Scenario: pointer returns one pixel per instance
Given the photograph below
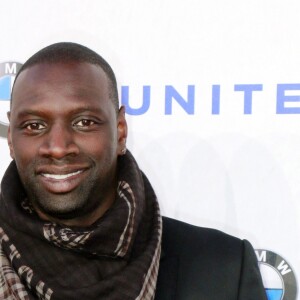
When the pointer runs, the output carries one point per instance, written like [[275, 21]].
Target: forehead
[[60, 80]]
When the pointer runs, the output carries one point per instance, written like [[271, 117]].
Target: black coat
[[206, 264]]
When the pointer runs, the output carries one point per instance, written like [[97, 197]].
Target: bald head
[[67, 52]]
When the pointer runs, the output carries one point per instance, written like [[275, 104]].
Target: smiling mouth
[[61, 176], [62, 183]]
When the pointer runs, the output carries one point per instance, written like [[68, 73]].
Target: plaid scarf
[[115, 258]]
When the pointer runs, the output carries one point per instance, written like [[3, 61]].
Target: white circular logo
[[278, 276]]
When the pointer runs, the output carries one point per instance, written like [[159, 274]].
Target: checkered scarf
[[115, 258]]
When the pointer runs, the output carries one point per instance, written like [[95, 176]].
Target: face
[[65, 137]]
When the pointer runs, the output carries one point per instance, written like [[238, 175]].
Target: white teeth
[[61, 176]]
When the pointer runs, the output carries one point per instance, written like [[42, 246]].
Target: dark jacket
[[206, 264]]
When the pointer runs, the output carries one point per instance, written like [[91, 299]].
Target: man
[[79, 219]]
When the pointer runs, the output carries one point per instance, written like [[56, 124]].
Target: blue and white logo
[[8, 71], [278, 276]]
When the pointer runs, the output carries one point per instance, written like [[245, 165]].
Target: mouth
[[62, 182], [61, 176]]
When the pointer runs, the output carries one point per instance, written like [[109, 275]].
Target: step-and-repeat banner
[[212, 92]]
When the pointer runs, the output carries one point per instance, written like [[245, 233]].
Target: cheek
[[24, 153], [99, 145]]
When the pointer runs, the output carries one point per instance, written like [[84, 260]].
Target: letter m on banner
[[10, 68]]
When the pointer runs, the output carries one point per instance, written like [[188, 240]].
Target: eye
[[35, 126], [83, 123]]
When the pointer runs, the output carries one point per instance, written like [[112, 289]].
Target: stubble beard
[[65, 206], [79, 202]]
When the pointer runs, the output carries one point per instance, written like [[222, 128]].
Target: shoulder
[[205, 263], [180, 238], [199, 248]]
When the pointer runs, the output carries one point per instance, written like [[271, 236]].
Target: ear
[[11, 150], [122, 131]]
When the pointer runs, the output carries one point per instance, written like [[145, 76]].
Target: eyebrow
[[32, 112], [37, 112]]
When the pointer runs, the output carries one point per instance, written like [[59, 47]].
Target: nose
[[58, 142]]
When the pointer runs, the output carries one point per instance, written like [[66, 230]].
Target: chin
[[64, 207]]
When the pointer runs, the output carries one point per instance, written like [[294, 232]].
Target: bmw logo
[[8, 71], [278, 276]]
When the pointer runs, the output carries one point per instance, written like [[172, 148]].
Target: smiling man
[[65, 136], [79, 219]]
